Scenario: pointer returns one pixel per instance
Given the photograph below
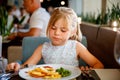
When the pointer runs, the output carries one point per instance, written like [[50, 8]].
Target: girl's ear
[[74, 32]]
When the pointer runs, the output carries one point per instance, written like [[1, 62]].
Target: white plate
[[75, 71]]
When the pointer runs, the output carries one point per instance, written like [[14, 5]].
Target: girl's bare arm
[[84, 54], [35, 58]]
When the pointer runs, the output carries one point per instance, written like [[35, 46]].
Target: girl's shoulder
[[76, 43], [72, 42], [79, 45], [46, 43]]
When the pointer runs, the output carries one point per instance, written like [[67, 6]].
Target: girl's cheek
[[51, 33]]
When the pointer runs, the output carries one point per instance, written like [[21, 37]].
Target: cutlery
[[10, 73], [86, 75]]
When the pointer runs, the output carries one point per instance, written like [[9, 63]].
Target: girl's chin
[[57, 44]]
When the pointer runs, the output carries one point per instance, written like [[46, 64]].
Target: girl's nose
[[57, 32]]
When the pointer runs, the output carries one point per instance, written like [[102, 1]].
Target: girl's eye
[[63, 30], [53, 27]]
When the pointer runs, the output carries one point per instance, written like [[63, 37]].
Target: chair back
[[29, 44]]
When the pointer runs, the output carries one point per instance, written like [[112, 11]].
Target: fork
[[87, 75]]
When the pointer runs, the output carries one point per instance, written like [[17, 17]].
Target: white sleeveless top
[[65, 54]]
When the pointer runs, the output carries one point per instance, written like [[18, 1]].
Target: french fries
[[44, 72]]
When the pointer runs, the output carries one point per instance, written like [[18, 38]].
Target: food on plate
[[48, 72], [44, 72], [63, 72]]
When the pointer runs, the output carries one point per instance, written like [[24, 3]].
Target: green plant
[[102, 19], [89, 17], [111, 15], [4, 31], [3, 20], [115, 13]]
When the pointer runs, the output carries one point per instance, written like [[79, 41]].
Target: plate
[[75, 71]]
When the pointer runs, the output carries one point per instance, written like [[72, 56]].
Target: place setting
[[50, 72]]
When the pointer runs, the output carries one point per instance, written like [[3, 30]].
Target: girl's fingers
[[17, 67], [10, 66], [82, 68], [85, 68], [13, 66]]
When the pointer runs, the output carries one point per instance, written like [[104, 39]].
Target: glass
[[2, 65], [3, 61], [0, 45], [117, 47]]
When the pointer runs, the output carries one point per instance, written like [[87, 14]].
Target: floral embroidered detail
[[65, 54]]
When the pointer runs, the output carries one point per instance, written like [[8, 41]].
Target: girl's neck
[[59, 44]]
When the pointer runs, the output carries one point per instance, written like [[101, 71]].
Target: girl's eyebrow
[[54, 25], [63, 27]]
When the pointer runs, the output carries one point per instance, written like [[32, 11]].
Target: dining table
[[97, 74]]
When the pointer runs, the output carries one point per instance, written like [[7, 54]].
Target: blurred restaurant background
[[80, 6], [94, 11], [99, 22]]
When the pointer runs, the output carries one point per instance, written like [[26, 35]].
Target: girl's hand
[[13, 66], [83, 68]]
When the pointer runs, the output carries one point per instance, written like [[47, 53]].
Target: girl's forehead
[[61, 22]]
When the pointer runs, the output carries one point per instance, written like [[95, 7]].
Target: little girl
[[64, 47]]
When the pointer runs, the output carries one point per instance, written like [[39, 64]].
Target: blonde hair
[[70, 19]]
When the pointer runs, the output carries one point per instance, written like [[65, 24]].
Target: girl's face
[[58, 33]]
